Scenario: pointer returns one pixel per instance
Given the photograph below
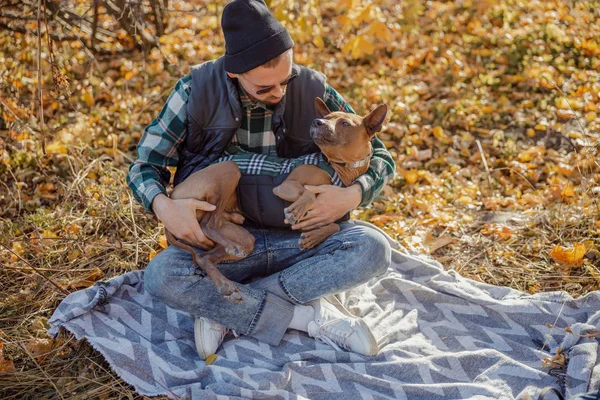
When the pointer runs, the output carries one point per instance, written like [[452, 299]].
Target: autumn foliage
[[494, 127]]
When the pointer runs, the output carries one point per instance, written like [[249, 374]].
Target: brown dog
[[344, 138]]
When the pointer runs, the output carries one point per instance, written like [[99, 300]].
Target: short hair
[[272, 63]]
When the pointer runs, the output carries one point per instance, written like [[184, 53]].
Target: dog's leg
[[208, 262], [296, 211], [292, 190], [211, 223], [310, 239]]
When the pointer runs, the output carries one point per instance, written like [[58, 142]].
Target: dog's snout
[[318, 122]]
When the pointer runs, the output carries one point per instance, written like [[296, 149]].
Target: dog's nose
[[318, 122]]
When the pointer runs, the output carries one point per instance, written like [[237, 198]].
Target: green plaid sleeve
[[382, 166], [158, 148]]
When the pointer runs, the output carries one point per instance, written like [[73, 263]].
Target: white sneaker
[[208, 336], [335, 326]]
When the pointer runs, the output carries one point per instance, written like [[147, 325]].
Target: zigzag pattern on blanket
[[446, 338]]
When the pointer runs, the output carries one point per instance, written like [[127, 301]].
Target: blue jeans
[[275, 277]]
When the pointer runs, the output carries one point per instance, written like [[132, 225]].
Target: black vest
[[214, 114]]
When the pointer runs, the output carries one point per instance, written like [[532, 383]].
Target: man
[[254, 99]]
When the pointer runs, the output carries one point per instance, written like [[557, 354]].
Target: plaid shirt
[[254, 134], [264, 164], [162, 139]]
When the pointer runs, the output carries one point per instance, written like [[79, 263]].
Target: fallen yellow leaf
[[17, 247], [439, 134], [568, 191], [411, 175], [565, 114], [162, 241], [571, 257], [56, 148], [88, 98], [211, 359]]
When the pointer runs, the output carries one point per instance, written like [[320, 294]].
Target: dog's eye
[[345, 123]]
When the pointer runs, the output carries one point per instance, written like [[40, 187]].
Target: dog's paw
[[235, 297], [290, 218], [230, 292], [310, 239], [240, 252]]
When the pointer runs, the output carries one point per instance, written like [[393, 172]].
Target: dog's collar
[[355, 164]]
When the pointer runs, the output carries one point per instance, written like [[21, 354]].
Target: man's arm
[[158, 148], [148, 175]]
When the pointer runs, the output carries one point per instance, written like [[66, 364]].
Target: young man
[[254, 99]]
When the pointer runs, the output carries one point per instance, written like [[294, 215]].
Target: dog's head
[[345, 138]]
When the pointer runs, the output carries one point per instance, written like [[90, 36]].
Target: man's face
[[267, 84]]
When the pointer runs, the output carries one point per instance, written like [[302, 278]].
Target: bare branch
[[94, 23], [39, 67]]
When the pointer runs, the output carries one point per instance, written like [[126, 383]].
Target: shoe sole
[[198, 329], [374, 349]]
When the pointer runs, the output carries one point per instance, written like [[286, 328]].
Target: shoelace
[[332, 336]]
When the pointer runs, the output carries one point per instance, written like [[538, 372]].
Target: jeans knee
[[161, 271], [379, 251], [376, 250], [371, 249], [154, 276]]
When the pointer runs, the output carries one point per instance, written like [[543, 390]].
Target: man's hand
[[179, 218], [332, 203]]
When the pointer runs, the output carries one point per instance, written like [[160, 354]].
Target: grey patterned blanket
[[443, 337]]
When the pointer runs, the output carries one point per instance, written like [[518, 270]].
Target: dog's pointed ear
[[375, 119], [321, 108]]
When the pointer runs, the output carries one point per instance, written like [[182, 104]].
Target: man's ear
[[321, 108], [375, 119], [232, 76]]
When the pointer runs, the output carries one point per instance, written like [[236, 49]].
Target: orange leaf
[[39, 348], [499, 230], [432, 243], [556, 361], [571, 257], [5, 365], [86, 280], [381, 220]]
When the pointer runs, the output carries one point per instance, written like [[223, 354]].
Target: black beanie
[[252, 35]]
